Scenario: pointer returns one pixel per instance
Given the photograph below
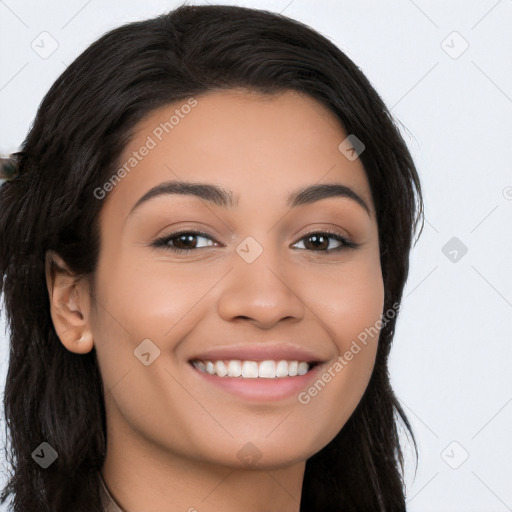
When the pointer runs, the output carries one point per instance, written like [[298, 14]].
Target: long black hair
[[83, 123]]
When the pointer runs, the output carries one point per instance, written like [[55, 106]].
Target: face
[[195, 282]]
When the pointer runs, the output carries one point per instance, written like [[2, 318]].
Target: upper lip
[[255, 352]]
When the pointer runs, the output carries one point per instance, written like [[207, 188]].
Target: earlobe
[[69, 305]]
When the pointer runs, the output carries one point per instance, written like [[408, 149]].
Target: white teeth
[[282, 369], [252, 369], [200, 366], [267, 370], [220, 369], [302, 368], [235, 368], [210, 368]]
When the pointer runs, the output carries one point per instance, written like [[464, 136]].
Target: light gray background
[[450, 364]]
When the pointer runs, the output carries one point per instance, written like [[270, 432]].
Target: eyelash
[[163, 241]]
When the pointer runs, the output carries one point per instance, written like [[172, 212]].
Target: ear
[[70, 304]]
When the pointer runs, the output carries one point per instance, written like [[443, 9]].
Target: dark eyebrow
[[224, 198], [314, 193], [212, 193]]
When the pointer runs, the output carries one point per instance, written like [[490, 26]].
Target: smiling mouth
[[268, 369]]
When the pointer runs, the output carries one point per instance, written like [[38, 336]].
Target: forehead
[[259, 146]]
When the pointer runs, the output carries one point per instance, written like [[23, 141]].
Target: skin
[[172, 439]]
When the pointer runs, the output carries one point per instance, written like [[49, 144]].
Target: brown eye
[[317, 242], [184, 241], [320, 242], [187, 241]]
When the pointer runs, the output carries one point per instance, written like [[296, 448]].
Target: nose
[[260, 292]]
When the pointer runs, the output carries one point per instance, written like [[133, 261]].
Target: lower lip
[[262, 390]]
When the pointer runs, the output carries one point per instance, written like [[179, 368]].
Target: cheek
[[136, 303], [142, 300], [350, 306], [145, 297], [348, 299], [358, 305]]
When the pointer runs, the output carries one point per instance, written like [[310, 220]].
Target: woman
[[203, 254]]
